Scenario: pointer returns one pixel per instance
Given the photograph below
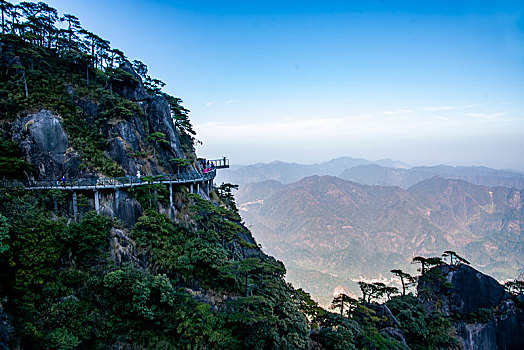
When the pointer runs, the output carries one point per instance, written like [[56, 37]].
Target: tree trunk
[[25, 84]]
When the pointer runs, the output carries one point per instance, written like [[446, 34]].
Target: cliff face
[[46, 144], [486, 317]]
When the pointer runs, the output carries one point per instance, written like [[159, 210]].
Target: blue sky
[[424, 82]]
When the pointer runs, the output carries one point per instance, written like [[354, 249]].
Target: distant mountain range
[[291, 172], [384, 172], [330, 231], [373, 174]]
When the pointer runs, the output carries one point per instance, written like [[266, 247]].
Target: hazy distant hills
[[328, 230], [373, 174], [291, 172], [384, 172]]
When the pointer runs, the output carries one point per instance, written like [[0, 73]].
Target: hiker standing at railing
[[138, 175]]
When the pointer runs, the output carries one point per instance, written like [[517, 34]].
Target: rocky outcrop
[[132, 89], [477, 336], [472, 290], [121, 247], [485, 316], [120, 205], [45, 144]]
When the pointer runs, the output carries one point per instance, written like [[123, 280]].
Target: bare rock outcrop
[[45, 144]]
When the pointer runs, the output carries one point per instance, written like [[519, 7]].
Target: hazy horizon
[[423, 82], [408, 165]]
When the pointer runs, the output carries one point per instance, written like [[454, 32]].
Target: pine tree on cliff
[[454, 256], [342, 300], [427, 263], [405, 279]]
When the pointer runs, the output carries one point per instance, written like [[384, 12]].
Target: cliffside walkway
[[197, 181], [95, 183], [112, 183]]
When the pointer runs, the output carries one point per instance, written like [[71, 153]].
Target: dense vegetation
[[63, 290], [199, 281]]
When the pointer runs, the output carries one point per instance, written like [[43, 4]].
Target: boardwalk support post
[[171, 200], [117, 199], [97, 203], [75, 207]]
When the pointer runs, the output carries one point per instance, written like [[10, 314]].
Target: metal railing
[[118, 182], [219, 163]]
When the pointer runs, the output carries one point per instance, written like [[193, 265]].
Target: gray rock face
[[121, 246], [119, 153], [505, 331], [44, 142], [159, 116], [510, 326], [477, 336], [473, 290], [120, 205]]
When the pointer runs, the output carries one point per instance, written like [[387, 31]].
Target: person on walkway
[[63, 180], [138, 175]]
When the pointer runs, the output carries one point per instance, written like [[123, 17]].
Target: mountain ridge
[[325, 221], [360, 170]]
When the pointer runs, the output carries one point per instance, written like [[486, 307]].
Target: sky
[[424, 82]]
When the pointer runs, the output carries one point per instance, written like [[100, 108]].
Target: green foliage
[[86, 239], [422, 330], [308, 306], [4, 234], [115, 108], [454, 258], [162, 239], [225, 193], [343, 301], [11, 162], [482, 315], [156, 138], [406, 279], [334, 331], [412, 317]]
